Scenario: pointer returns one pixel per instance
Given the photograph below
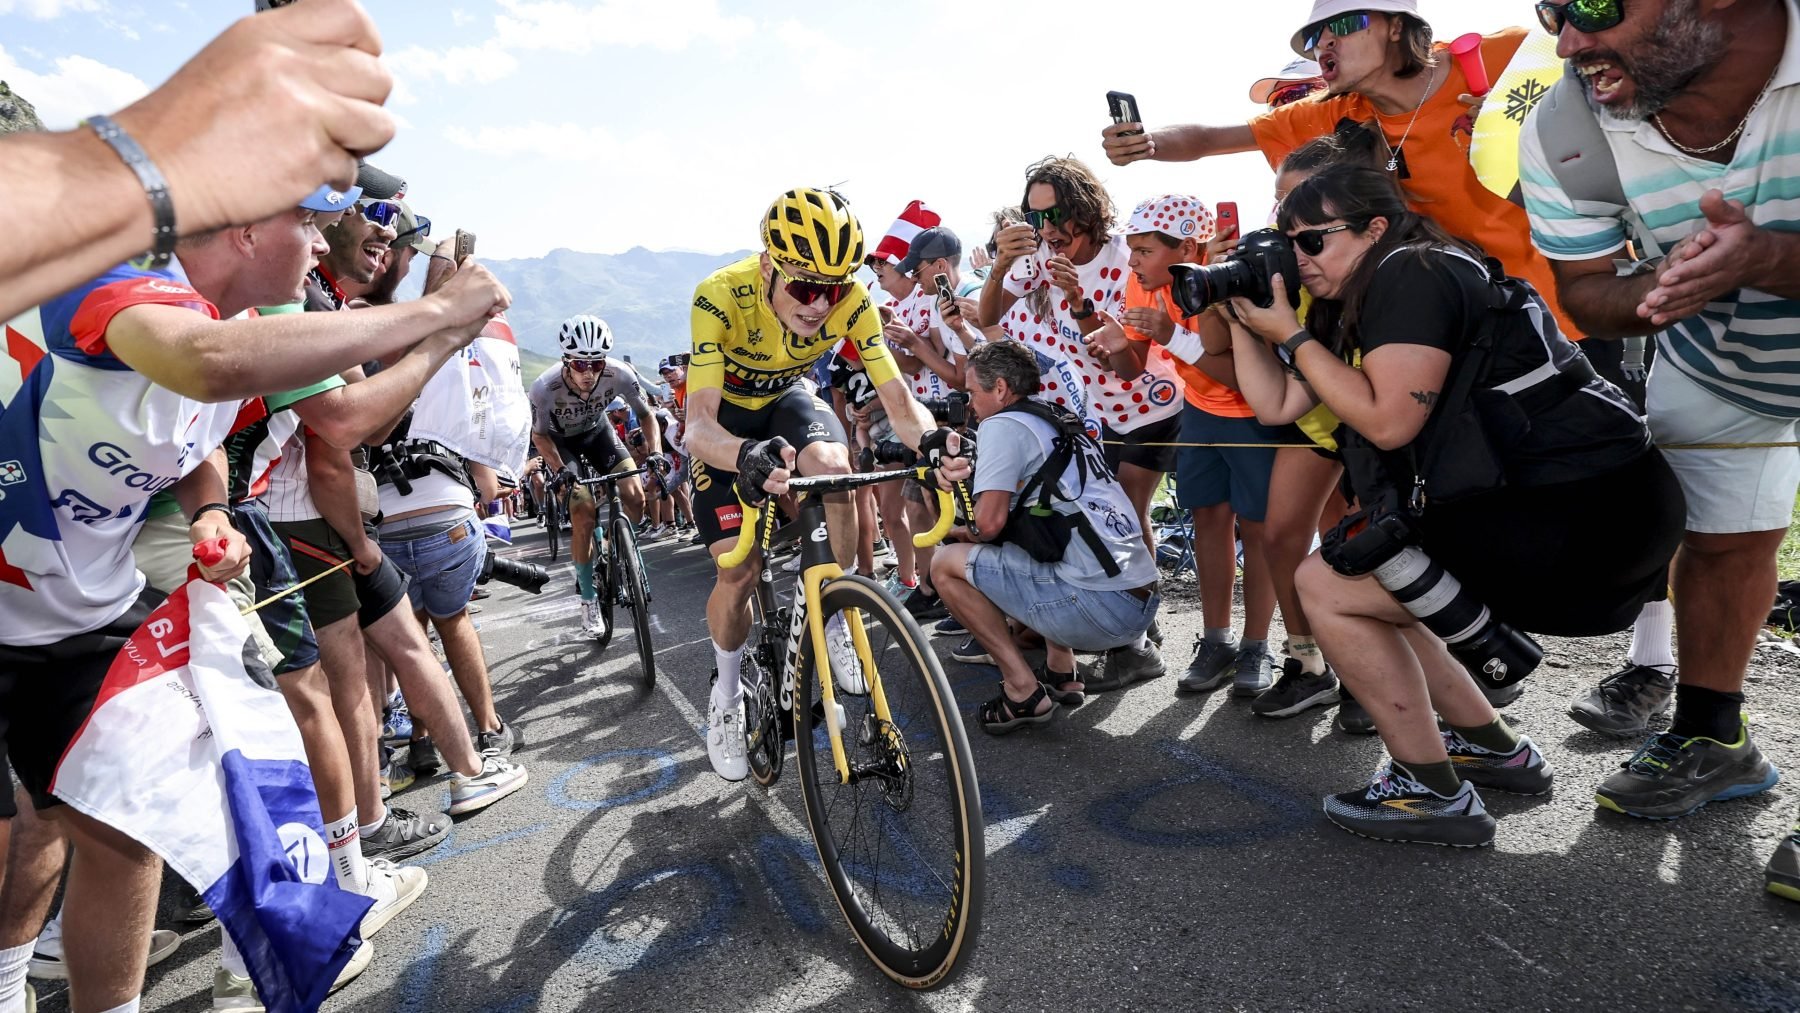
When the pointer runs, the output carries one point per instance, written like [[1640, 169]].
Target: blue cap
[[327, 200]]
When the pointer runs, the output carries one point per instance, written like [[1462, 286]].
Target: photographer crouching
[[1502, 488], [1068, 558]]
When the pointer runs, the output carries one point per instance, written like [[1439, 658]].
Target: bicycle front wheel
[[902, 842], [552, 524], [629, 574]]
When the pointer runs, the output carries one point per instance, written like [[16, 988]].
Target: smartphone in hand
[[946, 296], [1226, 214], [465, 245], [1124, 109]]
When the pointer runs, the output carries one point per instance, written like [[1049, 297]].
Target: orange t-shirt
[[1203, 392], [1439, 179]]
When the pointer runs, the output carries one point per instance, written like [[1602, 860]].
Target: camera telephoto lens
[[525, 576]]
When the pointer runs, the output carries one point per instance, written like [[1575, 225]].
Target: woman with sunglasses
[[1571, 541]]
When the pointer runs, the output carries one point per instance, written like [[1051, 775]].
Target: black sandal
[[1001, 716], [1070, 698]]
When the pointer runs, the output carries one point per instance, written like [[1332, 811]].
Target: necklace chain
[[1739, 129], [1393, 162]]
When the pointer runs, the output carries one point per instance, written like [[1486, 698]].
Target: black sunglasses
[[1348, 23], [1312, 241], [1586, 15], [1056, 214]]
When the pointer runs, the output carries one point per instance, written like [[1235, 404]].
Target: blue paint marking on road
[[615, 947], [1117, 813], [558, 792], [1078, 878], [774, 853], [451, 848], [418, 986], [1759, 991]]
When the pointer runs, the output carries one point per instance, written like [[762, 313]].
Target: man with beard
[[1699, 103]]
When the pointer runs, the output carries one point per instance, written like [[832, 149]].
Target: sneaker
[[924, 605], [970, 652], [1396, 808], [1119, 668], [884, 554], [395, 777], [47, 953], [1154, 633], [404, 834], [1499, 697], [896, 587], [725, 738], [590, 617], [498, 778], [1524, 771], [845, 665], [396, 723], [1252, 672], [1295, 690], [393, 888], [950, 625], [422, 756], [1781, 876], [1671, 776], [1625, 701], [499, 743], [233, 992], [191, 908], [1211, 665], [1352, 717]]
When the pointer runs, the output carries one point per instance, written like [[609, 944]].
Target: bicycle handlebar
[[752, 533]]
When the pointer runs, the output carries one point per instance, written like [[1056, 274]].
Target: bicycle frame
[[817, 568]]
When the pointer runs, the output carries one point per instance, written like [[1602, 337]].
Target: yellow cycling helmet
[[815, 231]]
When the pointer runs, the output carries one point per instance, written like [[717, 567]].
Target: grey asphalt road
[[1146, 852]]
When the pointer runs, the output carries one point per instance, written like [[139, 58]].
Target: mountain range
[[645, 296]]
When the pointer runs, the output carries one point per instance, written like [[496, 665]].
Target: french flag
[[190, 749]]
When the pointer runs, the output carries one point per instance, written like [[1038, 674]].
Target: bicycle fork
[[818, 568]]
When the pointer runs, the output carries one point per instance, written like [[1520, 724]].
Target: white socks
[[128, 1007], [345, 845], [13, 963], [1306, 651], [730, 663], [1653, 636]]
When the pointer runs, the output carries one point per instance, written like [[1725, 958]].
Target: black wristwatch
[[1295, 340], [220, 507], [1086, 310]]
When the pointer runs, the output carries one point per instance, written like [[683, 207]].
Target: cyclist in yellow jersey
[[759, 327]]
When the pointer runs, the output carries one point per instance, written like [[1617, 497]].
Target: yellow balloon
[[1494, 150]]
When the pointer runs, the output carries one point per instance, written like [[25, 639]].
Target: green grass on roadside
[[1787, 559]]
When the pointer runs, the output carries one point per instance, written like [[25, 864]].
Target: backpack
[[1586, 171], [1034, 524]]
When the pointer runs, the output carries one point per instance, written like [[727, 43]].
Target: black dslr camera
[[1384, 541], [525, 576], [1259, 256], [952, 411]]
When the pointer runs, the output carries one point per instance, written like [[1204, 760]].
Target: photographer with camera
[[1503, 487], [1055, 546]]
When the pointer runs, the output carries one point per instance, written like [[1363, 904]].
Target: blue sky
[[601, 126]]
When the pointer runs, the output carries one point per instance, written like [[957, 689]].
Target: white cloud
[[44, 10], [460, 18], [669, 25], [557, 142], [416, 68], [78, 87]]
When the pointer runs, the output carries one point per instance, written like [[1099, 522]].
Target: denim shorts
[[443, 567], [1075, 617]]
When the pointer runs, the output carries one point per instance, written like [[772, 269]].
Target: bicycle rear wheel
[[633, 582], [902, 843], [552, 524]]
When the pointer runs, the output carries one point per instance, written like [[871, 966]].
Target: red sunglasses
[[809, 292], [585, 365]]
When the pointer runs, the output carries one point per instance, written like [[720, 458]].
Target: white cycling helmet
[[585, 337]]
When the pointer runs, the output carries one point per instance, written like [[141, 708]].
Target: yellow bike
[[890, 789]]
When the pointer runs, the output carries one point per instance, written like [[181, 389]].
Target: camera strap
[[1066, 450]]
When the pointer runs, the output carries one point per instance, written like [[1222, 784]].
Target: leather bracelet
[[162, 208], [223, 508], [1295, 340]]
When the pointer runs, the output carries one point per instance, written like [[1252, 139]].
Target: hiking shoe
[[846, 667], [970, 652], [1524, 771], [1252, 673], [392, 888], [725, 738], [498, 778], [422, 756], [1670, 776], [1625, 701], [1499, 697], [1295, 690], [404, 834], [1394, 807], [47, 953], [924, 605], [1119, 668], [1211, 666], [1352, 717], [499, 743], [1781, 876], [396, 722], [950, 625]]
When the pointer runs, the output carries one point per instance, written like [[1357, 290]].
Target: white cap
[[1325, 10], [1175, 215], [1299, 70]]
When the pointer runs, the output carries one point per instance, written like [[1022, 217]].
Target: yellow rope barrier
[[270, 600]]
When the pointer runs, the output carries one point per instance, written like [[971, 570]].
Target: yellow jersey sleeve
[[863, 328], [711, 325]]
